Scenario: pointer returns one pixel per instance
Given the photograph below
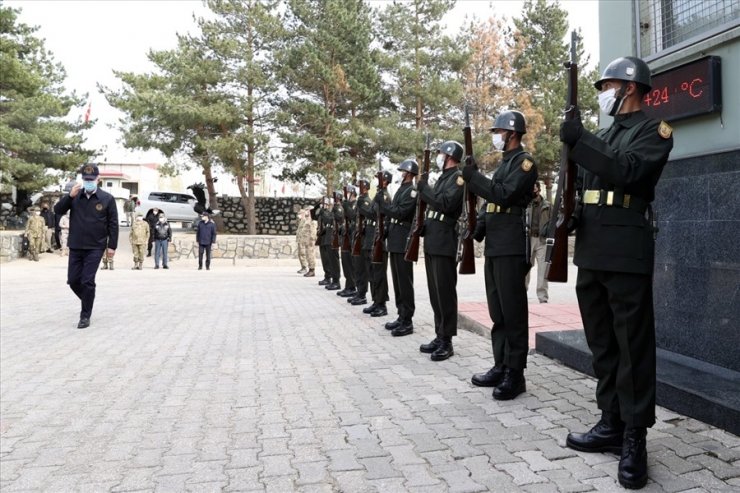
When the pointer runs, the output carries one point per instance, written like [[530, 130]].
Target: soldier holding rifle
[[349, 213], [620, 167], [507, 195], [359, 255], [324, 241], [378, 266], [401, 214], [444, 205]]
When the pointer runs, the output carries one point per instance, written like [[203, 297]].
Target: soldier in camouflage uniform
[[139, 237], [305, 238], [35, 230], [107, 261]]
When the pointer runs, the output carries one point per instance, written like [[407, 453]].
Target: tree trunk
[[212, 199]]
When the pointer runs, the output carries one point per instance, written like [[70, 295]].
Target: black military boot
[[393, 325], [333, 286], [380, 311], [491, 378], [370, 308], [324, 282], [431, 346], [404, 329], [605, 436], [359, 300], [349, 293], [444, 350], [511, 386], [633, 463]]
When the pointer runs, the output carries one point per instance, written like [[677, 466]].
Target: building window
[[668, 25]]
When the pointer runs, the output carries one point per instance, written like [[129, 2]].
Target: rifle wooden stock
[[467, 258], [377, 254], [346, 246], [360, 231], [412, 244], [556, 256]]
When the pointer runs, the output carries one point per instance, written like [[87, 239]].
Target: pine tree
[[37, 140]]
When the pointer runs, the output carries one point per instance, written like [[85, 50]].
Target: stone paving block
[[459, 481], [606, 484], [136, 479], [537, 462], [209, 487], [520, 473], [273, 446], [674, 463], [564, 482], [426, 442], [208, 472], [719, 468], [417, 475], [343, 460], [31, 478], [279, 484], [720, 450], [353, 481], [681, 448], [668, 480], [311, 472], [579, 469], [243, 458], [315, 488], [379, 468]]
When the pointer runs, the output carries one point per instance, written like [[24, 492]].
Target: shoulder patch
[[527, 165], [413, 194], [665, 130], [460, 182]]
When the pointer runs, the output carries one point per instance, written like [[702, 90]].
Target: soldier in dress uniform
[[349, 210], [93, 231], [400, 214], [324, 219], [337, 212], [377, 272], [35, 231], [444, 207], [139, 236], [363, 207], [619, 168], [507, 262], [330, 258]]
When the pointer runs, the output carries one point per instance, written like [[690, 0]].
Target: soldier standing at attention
[[615, 247], [329, 256], [35, 231], [349, 216], [507, 195], [361, 262], [337, 214], [377, 272], [401, 214], [444, 207], [93, 231], [305, 242], [139, 237]]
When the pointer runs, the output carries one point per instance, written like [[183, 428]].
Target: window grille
[[665, 24]]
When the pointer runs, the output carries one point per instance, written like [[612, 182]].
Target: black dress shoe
[[348, 293], [512, 385], [431, 346], [491, 378], [359, 301], [324, 282], [632, 473], [332, 287], [83, 323], [403, 330], [380, 311], [605, 436], [370, 308], [393, 325], [443, 352]]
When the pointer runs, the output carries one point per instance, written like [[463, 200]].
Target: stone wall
[[275, 216], [10, 245]]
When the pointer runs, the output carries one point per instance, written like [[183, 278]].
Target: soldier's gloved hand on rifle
[[571, 130], [470, 168], [423, 181]]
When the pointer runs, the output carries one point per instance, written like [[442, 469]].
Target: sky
[[93, 38]]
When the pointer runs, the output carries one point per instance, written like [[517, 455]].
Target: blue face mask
[[90, 186]]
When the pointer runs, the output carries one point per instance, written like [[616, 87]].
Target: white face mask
[[498, 142], [440, 160], [607, 100]]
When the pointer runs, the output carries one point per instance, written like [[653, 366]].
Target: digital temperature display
[[689, 90]]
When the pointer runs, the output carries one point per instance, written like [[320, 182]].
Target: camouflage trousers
[[139, 252], [35, 246], [307, 254], [107, 258]]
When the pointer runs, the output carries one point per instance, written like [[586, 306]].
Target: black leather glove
[[422, 182], [571, 130], [469, 169]]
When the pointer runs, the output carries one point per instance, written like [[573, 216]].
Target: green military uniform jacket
[[444, 206], [400, 214]]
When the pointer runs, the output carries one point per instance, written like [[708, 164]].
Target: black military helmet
[[409, 165], [387, 176], [452, 149], [629, 68], [510, 120], [363, 183], [351, 189]]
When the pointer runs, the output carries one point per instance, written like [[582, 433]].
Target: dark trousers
[[378, 276], [325, 260], [81, 270], [358, 266], [507, 306], [349, 276], [442, 286], [207, 249], [334, 270], [402, 274], [617, 313]]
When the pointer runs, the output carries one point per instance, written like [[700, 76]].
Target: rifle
[[346, 247], [377, 256], [556, 254], [321, 229], [335, 232], [466, 249], [412, 243], [360, 231]]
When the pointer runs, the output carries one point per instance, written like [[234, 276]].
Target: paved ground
[[252, 378]]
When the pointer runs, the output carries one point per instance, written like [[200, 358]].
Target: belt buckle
[[591, 197], [626, 203], [441, 217], [610, 197]]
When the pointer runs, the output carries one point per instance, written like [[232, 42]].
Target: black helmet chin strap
[[620, 94]]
